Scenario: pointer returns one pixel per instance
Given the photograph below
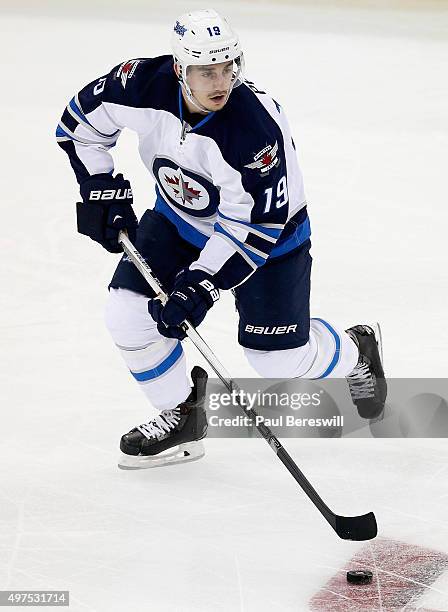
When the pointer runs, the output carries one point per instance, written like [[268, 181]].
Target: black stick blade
[[357, 528]]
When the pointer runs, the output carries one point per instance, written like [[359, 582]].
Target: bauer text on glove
[[106, 209], [193, 295]]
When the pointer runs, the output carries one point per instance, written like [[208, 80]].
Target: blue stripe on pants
[[337, 351], [163, 367]]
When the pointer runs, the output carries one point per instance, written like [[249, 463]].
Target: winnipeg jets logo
[[180, 29], [126, 71], [182, 189], [265, 160]]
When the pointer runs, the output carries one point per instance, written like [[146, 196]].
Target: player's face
[[210, 84]]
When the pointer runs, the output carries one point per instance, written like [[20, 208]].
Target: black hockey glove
[[106, 209], [193, 295]]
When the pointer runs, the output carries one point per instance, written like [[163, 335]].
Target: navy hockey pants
[[273, 304]]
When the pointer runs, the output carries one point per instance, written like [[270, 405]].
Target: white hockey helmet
[[205, 38]]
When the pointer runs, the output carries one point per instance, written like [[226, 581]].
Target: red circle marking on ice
[[402, 573]]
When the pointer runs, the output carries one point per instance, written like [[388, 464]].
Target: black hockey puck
[[359, 576]]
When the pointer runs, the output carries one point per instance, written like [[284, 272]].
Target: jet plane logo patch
[[265, 160], [126, 71]]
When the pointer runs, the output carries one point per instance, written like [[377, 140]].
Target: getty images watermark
[[275, 406], [323, 408]]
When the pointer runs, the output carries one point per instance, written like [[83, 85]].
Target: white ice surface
[[366, 95]]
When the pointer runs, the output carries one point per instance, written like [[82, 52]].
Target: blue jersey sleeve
[[94, 117], [255, 203], [265, 181]]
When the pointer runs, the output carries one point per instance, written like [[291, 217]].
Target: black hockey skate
[[366, 382], [153, 444]]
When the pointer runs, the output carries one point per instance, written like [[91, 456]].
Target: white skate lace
[[361, 382], [161, 424]]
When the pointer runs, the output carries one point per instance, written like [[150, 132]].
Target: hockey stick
[[347, 527]]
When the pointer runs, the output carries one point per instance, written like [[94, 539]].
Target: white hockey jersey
[[231, 183]]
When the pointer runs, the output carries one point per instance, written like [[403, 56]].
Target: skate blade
[[379, 339], [190, 451]]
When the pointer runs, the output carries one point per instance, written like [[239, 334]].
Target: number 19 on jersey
[[281, 195]]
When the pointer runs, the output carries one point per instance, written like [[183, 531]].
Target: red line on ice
[[401, 574]]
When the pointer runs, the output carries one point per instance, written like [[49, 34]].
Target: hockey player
[[230, 214]]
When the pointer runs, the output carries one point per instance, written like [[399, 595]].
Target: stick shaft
[[231, 385]]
